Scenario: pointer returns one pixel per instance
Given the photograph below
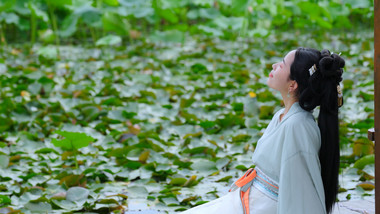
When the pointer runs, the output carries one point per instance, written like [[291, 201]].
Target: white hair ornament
[[312, 69]]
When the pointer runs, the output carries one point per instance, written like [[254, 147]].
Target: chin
[[268, 83]]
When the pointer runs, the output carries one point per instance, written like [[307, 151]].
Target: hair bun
[[331, 65]]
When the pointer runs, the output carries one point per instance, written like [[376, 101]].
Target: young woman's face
[[279, 76]]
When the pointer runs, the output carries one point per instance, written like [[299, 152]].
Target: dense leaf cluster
[[50, 21], [154, 125]]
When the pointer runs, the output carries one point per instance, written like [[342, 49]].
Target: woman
[[296, 159]]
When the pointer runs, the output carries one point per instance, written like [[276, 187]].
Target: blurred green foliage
[[88, 20], [166, 125], [161, 122]]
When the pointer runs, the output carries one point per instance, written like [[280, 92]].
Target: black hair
[[320, 89]]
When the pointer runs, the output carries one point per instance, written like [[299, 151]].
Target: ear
[[293, 86]]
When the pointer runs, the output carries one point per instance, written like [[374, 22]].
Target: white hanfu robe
[[287, 154]]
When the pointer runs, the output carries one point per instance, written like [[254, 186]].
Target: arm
[[301, 188], [300, 182]]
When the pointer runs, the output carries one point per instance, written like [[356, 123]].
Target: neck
[[288, 102]]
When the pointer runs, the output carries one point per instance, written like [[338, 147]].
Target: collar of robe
[[293, 109]]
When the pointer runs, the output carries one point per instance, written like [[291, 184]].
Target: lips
[[271, 75]]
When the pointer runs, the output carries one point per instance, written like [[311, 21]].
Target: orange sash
[[245, 182]]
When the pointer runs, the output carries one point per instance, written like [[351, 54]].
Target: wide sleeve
[[300, 186], [300, 182]]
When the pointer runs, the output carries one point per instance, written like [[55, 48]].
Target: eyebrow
[[283, 61]]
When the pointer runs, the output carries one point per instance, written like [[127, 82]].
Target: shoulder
[[302, 133], [302, 120]]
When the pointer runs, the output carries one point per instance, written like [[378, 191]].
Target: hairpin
[[340, 96], [312, 69]]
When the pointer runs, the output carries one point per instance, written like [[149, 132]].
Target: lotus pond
[[157, 126]]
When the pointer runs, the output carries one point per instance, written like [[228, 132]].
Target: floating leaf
[[5, 123], [76, 194], [40, 207], [109, 40], [363, 146], [59, 196], [144, 156], [168, 36], [113, 22], [367, 185], [67, 205], [191, 182], [204, 166], [178, 181], [73, 180], [73, 140], [225, 179], [362, 162], [48, 52], [241, 138], [4, 161], [266, 112], [4, 200], [111, 2]]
